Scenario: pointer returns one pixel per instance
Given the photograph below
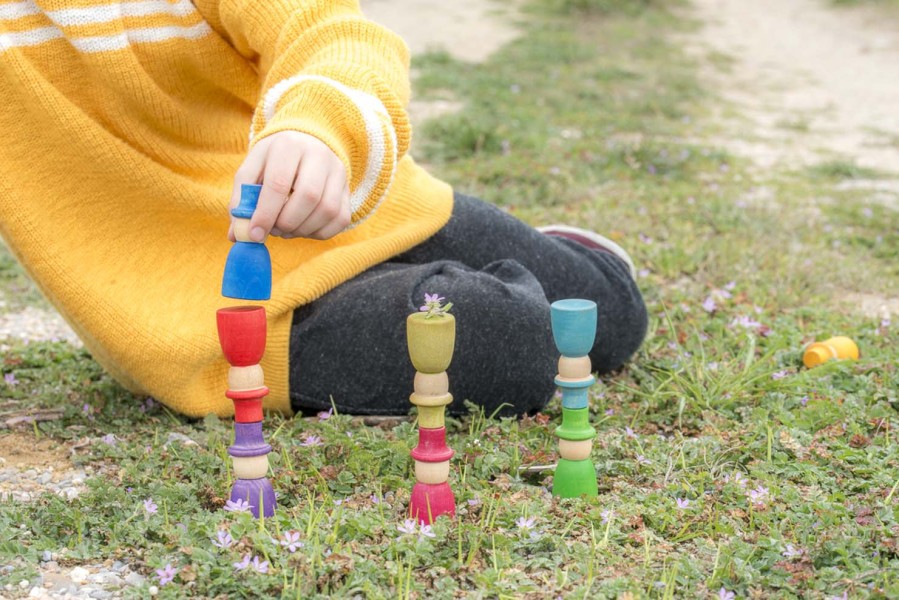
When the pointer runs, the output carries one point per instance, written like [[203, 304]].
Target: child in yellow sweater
[[124, 125]]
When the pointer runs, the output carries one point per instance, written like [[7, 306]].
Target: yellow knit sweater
[[122, 126]]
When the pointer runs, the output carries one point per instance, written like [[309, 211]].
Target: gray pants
[[501, 276]]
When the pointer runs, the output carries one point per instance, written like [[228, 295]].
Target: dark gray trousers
[[501, 276]]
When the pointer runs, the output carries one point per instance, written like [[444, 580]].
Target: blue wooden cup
[[574, 326]]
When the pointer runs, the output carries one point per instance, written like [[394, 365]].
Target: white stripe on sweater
[[32, 37], [102, 43], [17, 10], [69, 17], [376, 119]]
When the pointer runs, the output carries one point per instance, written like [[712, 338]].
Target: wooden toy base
[[430, 501], [257, 492], [575, 478]]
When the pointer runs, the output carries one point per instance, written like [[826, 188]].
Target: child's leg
[[479, 233], [350, 345]]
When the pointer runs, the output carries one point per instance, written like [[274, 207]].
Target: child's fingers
[[333, 213], [249, 172], [307, 193], [277, 181]]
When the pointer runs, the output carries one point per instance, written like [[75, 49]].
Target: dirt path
[[468, 30], [815, 82]]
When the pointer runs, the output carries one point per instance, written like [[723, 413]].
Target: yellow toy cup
[[838, 347]]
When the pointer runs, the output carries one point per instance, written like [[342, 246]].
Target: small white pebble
[[23, 584], [153, 590], [79, 574]]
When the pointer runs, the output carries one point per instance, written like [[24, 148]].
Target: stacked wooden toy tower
[[242, 332], [574, 331], [431, 341]]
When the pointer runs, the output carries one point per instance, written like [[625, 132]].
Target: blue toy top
[[249, 196], [574, 326]]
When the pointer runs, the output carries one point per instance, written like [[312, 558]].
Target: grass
[[789, 475]]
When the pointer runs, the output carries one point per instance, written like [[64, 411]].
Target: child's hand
[[304, 188]]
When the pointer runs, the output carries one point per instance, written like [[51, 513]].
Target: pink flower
[[150, 506], [708, 305], [682, 503], [745, 322], [408, 526], [325, 415], [260, 566], [292, 541], [525, 523], [723, 594], [223, 539], [759, 495], [10, 379], [780, 374], [240, 506], [425, 531], [166, 574], [311, 440], [243, 564]]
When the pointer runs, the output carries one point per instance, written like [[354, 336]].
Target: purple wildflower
[[845, 596], [150, 506], [609, 412], [474, 501], [109, 439], [223, 539], [708, 305], [325, 415], [759, 495], [311, 440], [425, 531], [643, 460], [682, 503], [737, 478], [10, 379], [628, 432], [260, 566], [730, 285], [792, 552], [525, 523], [240, 506], [643, 273], [408, 526], [243, 564], [86, 408], [292, 541], [803, 401], [745, 322], [166, 574], [375, 499], [780, 374], [606, 515], [724, 594]]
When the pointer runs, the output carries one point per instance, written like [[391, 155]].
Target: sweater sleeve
[[327, 71]]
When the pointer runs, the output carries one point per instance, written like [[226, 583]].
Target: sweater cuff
[[354, 124]]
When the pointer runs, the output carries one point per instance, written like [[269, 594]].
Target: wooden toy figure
[[431, 336], [835, 348], [574, 331], [242, 333]]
